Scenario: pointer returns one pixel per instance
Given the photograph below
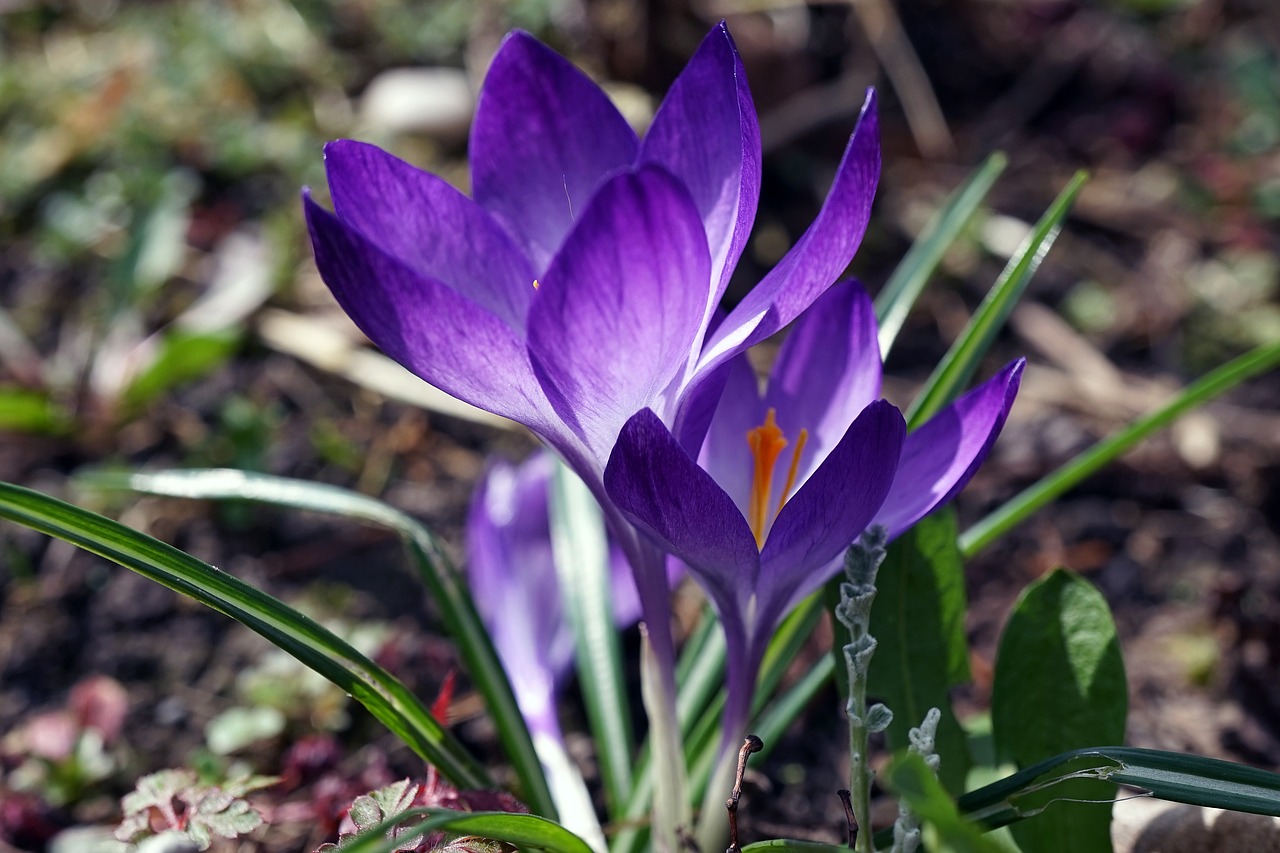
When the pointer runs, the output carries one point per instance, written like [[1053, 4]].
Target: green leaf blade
[[922, 650], [1060, 685], [960, 363]]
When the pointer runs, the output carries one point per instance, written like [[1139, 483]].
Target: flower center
[[767, 443]]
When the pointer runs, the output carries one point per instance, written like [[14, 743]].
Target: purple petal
[[442, 336], [661, 490], [830, 510], [512, 574], [543, 139], [818, 257], [828, 370], [433, 228], [618, 313], [707, 135], [942, 455], [726, 455]]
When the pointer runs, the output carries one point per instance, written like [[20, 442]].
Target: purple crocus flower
[[762, 527], [578, 284]]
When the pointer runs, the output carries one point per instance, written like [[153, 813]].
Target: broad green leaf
[[1060, 685], [1191, 779], [522, 830], [442, 580], [922, 649], [904, 286], [582, 564], [957, 367], [912, 780], [386, 698], [1035, 497]]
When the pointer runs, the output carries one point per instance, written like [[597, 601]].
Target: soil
[[1182, 535]]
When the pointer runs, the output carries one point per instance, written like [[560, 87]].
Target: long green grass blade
[[1032, 499], [582, 563], [1172, 776], [437, 572], [958, 366], [904, 286], [522, 830], [385, 697], [779, 714]]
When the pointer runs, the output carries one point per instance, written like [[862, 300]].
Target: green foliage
[[1060, 685], [912, 780], [922, 651]]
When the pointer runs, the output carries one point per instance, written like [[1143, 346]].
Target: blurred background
[[159, 307]]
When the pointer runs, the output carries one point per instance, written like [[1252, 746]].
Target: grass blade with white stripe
[[312, 644], [437, 572]]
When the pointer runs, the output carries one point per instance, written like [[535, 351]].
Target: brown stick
[[850, 821], [749, 745]]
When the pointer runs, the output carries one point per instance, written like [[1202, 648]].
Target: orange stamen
[[767, 443], [801, 440]]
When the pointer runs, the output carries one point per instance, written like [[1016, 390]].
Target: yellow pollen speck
[[535, 284], [767, 443]]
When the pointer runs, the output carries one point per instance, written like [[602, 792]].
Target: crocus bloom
[[512, 573], [789, 479], [578, 284]]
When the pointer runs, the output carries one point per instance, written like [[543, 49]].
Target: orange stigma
[[767, 443]]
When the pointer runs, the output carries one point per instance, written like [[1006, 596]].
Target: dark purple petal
[[543, 139], [941, 456], [818, 257], [828, 370], [706, 134], [661, 490], [830, 510], [726, 454], [430, 226], [618, 313], [442, 336]]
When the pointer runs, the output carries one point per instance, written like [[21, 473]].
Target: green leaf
[[25, 410], [961, 361], [180, 357], [523, 830], [912, 780], [922, 649], [442, 580], [1191, 779], [900, 292], [385, 697], [1060, 685], [1032, 499], [582, 564]]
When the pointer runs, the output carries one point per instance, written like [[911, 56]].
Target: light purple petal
[[706, 133], [829, 511], [448, 340], [726, 454], [661, 490], [543, 139], [617, 315], [828, 370], [941, 456], [433, 228], [818, 257], [512, 574]]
